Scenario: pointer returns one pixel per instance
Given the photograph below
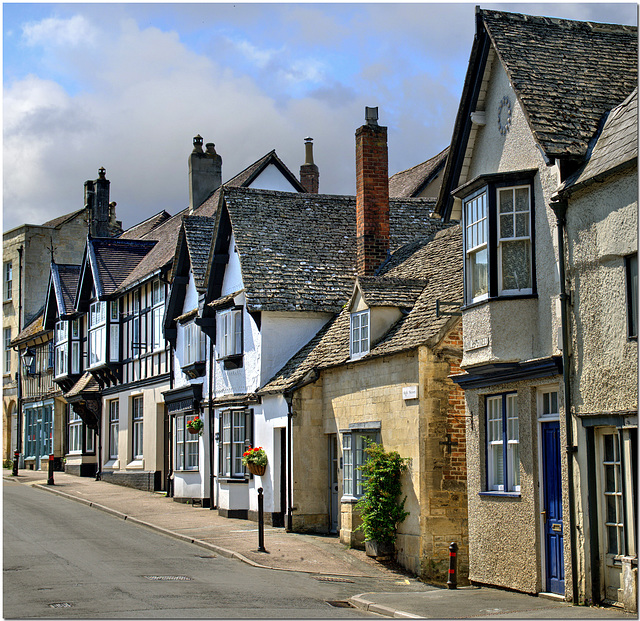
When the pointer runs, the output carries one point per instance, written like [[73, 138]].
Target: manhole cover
[[332, 579], [167, 578], [60, 605], [339, 604]]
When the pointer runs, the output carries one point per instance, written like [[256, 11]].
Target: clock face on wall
[[504, 115]]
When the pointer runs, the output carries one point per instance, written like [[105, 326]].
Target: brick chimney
[[372, 190], [309, 175], [96, 198], [205, 173]]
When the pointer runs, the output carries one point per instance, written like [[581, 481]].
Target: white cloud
[[73, 32], [258, 57]]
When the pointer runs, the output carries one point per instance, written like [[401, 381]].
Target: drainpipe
[[170, 431], [212, 504], [559, 207], [19, 386]]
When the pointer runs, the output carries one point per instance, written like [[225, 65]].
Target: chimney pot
[[197, 144], [205, 173], [371, 116], [309, 174]]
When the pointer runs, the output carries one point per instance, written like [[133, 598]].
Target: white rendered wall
[[272, 179]]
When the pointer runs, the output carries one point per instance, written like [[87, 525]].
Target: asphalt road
[[65, 560]]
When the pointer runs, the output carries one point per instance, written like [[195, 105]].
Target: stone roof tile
[[409, 183]]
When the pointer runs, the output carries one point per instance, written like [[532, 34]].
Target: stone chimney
[[372, 195], [102, 213], [205, 173], [309, 175]]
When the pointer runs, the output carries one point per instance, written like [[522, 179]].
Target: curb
[[358, 601], [203, 544]]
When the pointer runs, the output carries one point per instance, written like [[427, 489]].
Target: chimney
[[372, 200], [205, 173], [309, 175], [96, 199]]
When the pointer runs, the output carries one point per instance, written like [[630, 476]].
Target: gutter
[[560, 210]]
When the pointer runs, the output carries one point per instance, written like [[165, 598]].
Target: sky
[[127, 87]]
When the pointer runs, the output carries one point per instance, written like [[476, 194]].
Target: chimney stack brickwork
[[205, 173], [372, 201], [309, 174]]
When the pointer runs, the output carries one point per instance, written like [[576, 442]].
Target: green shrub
[[7, 463], [380, 509]]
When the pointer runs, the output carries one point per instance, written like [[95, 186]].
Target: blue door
[[552, 513]]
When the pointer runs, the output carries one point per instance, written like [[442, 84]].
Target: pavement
[[321, 556]]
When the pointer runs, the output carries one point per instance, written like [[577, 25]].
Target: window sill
[[349, 500], [231, 362], [187, 470], [233, 480], [501, 494], [7, 301], [499, 298], [136, 463]]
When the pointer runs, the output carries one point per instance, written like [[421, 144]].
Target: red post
[[452, 583], [50, 479]]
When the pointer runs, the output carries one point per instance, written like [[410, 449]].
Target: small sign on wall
[[410, 392], [471, 344]]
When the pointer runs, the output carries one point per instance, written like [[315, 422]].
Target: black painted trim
[[503, 373]]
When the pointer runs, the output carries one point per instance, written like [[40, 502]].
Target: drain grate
[[339, 604], [332, 579], [167, 578], [60, 605]]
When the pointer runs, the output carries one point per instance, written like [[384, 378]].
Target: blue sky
[[127, 86]]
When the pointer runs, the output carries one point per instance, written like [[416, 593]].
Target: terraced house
[[543, 174]]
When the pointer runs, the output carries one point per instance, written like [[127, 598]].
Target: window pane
[[522, 224], [478, 273], [506, 226], [516, 265], [506, 200]]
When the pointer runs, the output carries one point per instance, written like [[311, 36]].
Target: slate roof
[[410, 182], [86, 384], [566, 74], [33, 329], [614, 147], [143, 228], [439, 261], [65, 283], [62, 219], [113, 260], [297, 251], [389, 291], [198, 232]]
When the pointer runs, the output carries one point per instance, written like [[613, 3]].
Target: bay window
[[359, 334], [503, 455], [498, 236], [193, 344]]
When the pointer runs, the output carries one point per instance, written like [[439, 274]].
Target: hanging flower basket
[[195, 426], [255, 459], [256, 469]]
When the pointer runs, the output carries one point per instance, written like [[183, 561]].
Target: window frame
[[158, 295], [97, 334], [74, 433], [114, 429], [509, 448], [356, 318], [354, 442], [493, 185], [137, 427], [61, 337], [183, 440], [231, 447], [192, 344], [7, 275], [7, 351], [631, 277], [230, 334]]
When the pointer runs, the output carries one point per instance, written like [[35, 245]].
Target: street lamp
[[28, 359]]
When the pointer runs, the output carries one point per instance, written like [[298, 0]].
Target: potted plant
[[195, 425], [255, 459], [380, 509]]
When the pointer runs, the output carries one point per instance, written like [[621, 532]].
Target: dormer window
[[193, 344], [360, 334], [62, 348], [97, 333], [229, 336]]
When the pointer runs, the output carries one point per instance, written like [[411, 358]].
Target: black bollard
[[452, 583], [50, 479], [261, 547], [16, 461]]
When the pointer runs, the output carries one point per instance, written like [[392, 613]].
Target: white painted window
[[514, 239], [157, 314], [114, 423], [476, 232], [360, 333], [186, 444], [7, 351], [354, 444], [233, 442], [229, 333], [193, 350], [114, 331], [8, 281], [137, 426], [75, 432], [62, 348], [97, 333], [503, 448]]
